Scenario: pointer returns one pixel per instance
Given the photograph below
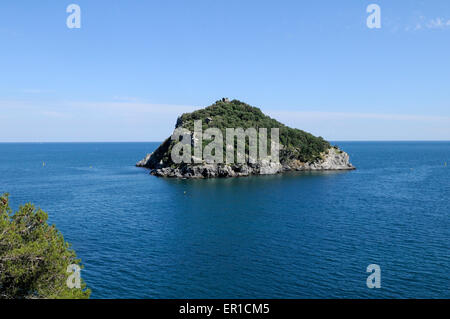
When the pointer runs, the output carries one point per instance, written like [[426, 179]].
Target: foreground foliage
[[34, 256]]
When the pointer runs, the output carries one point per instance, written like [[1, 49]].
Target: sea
[[295, 235]]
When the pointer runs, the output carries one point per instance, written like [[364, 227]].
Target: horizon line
[[87, 142]]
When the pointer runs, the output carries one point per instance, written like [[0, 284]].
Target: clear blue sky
[[135, 65]]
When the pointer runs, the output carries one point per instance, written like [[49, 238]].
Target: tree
[[34, 258]]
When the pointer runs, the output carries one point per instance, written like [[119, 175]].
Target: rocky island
[[297, 150]]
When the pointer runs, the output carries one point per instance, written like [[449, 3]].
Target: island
[[297, 150]]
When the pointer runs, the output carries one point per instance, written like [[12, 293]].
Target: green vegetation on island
[[297, 144]]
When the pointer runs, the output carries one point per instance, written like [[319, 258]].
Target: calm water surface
[[298, 235]]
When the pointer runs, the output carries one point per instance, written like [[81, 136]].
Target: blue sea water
[[297, 235]]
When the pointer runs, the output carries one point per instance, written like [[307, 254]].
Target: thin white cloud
[[431, 24], [438, 23], [35, 91], [135, 107], [352, 115], [367, 126], [28, 120], [118, 107], [56, 115], [84, 121], [8, 32], [125, 98], [66, 108], [32, 91]]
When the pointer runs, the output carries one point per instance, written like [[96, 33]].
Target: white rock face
[[144, 162], [270, 168], [335, 159]]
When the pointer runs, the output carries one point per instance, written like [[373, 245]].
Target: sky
[[134, 66]]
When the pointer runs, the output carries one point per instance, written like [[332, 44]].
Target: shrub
[[34, 256]]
